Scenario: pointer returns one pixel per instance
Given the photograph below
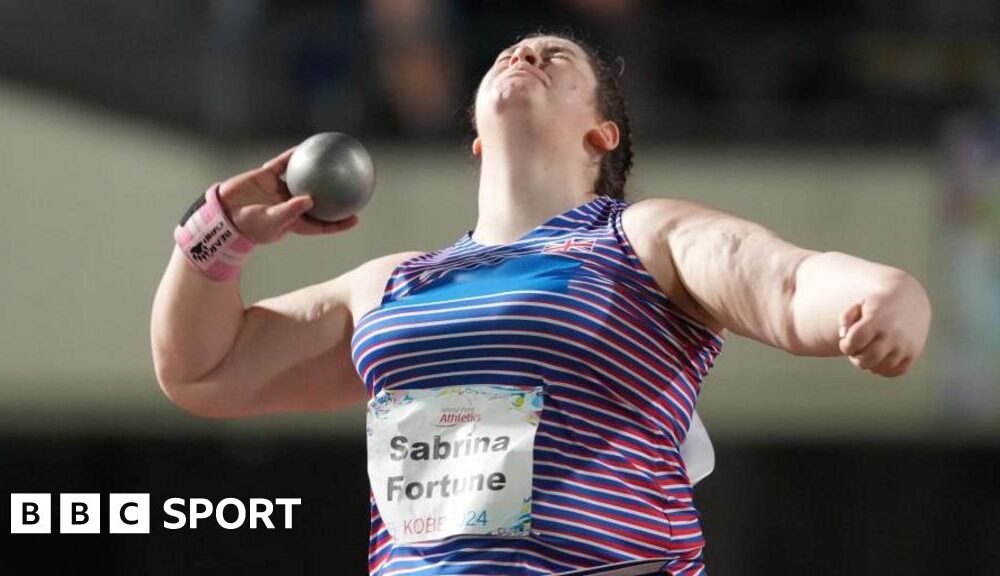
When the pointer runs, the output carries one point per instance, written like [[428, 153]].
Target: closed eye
[[550, 53]]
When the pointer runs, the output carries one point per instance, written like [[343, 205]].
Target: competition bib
[[453, 460]]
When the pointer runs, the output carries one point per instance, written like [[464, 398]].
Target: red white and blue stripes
[[568, 307]]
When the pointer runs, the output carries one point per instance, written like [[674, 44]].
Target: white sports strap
[[697, 451]]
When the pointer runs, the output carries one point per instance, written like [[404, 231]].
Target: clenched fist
[[887, 331]]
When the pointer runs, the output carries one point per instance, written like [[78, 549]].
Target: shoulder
[[661, 215], [377, 270], [385, 264], [648, 225], [366, 283]]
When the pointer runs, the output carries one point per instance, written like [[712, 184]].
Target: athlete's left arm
[[809, 303]]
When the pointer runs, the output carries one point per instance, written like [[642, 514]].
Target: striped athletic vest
[[569, 307]]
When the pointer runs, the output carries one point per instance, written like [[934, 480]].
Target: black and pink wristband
[[210, 241]]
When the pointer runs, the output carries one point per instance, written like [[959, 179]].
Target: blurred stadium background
[[860, 126]]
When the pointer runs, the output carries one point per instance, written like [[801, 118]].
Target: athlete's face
[[544, 79]]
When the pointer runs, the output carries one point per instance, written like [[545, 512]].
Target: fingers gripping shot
[[530, 387]]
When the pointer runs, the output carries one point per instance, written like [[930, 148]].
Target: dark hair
[[615, 164]]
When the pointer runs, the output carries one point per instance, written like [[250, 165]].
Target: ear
[[477, 147], [604, 137]]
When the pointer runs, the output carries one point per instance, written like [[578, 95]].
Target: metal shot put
[[336, 171], [531, 386]]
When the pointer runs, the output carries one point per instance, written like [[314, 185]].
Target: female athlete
[[530, 385]]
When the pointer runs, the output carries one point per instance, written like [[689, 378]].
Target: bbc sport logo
[[31, 513]]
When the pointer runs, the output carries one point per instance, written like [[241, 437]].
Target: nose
[[524, 52]]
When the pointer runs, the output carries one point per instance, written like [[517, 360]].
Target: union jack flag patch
[[570, 245]]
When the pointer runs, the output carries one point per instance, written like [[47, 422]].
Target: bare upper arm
[[640, 221], [293, 351], [726, 271]]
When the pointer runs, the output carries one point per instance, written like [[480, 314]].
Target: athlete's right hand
[[259, 204]]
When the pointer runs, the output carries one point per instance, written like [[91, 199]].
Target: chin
[[515, 95], [513, 104]]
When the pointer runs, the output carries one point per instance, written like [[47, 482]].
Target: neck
[[525, 181]]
